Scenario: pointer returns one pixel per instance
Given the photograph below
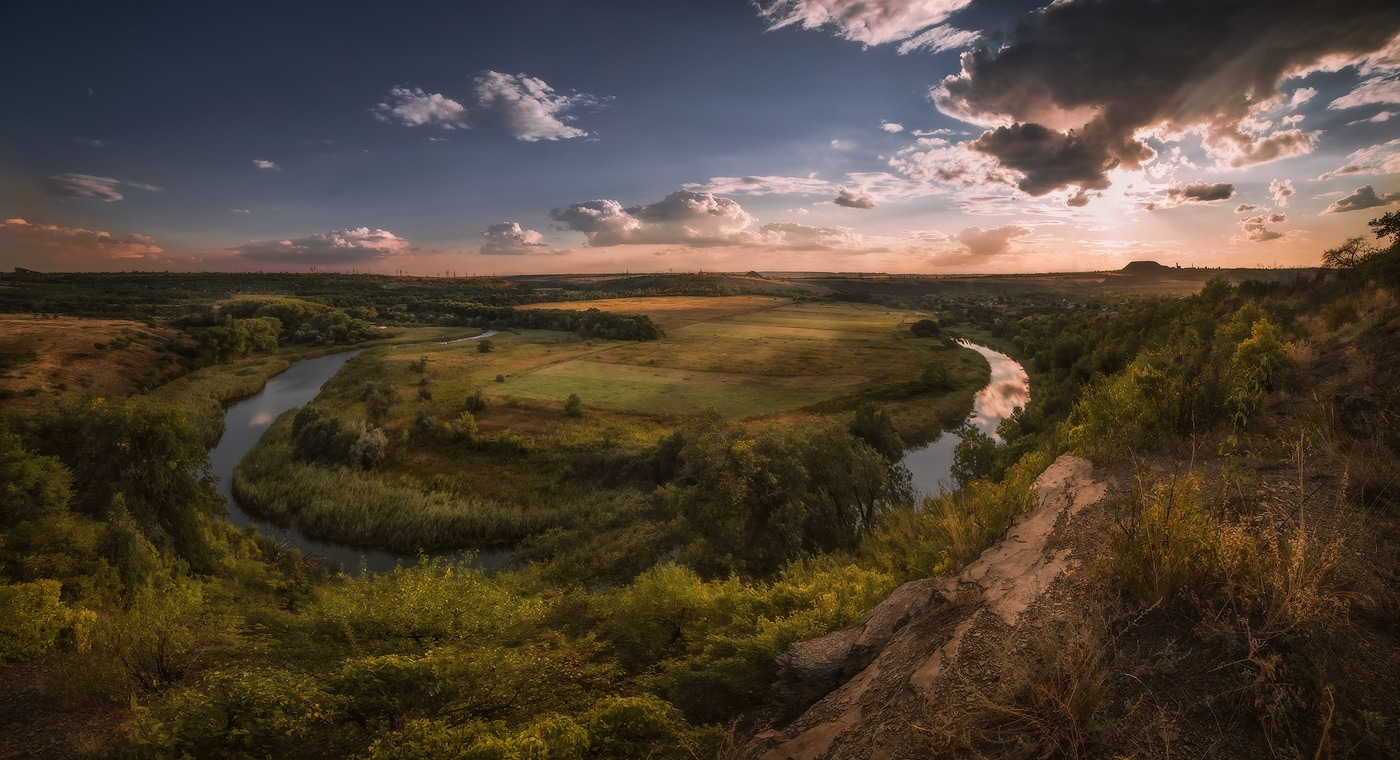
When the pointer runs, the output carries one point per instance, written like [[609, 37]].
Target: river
[[1009, 388], [244, 424], [247, 420]]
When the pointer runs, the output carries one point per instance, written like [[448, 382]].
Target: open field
[[674, 311], [756, 360], [54, 355]]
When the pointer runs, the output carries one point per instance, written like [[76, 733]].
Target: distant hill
[[1144, 268]]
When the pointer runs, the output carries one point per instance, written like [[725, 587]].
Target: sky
[[544, 136]]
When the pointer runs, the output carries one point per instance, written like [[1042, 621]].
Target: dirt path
[[881, 675]]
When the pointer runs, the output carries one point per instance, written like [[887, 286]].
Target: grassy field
[[757, 360], [44, 356]]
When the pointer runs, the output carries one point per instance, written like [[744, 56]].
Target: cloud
[[1301, 96], [1281, 189], [980, 245], [1248, 208], [413, 107], [683, 217], [89, 142], [1255, 231], [933, 159], [266, 165], [350, 246], [891, 127], [236, 211], [760, 185], [917, 24], [72, 243], [838, 144], [1375, 90], [1362, 198], [1061, 117], [1196, 192], [529, 109], [524, 106], [1380, 117], [1079, 199], [1376, 159], [791, 236], [853, 199], [508, 239], [86, 187]]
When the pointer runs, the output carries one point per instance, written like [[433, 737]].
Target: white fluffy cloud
[[891, 127], [916, 24], [1255, 231], [72, 243], [413, 107], [350, 246], [266, 165], [87, 187], [934, 159], [508, 239], [1281, 190], [684, 217], [524, 106]]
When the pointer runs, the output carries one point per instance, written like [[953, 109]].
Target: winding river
[[245, 422], [1010, 387]]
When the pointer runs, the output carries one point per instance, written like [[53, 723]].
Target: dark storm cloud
[[1080, 81]]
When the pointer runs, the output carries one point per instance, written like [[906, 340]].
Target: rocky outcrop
[[858, 692]]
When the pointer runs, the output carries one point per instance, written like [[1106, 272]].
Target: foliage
[[31, 617], [485, 346], [573, 405], [925, 328]]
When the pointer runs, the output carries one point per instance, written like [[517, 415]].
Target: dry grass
[[56, 355]]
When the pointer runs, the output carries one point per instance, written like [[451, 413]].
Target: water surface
[[244, 424], [1009, 388]]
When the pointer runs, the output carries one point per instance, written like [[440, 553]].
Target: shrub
[[485, 346], [573, 406], [925, 328], [31, 617]]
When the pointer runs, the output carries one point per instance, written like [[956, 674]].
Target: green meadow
[[527, 465]]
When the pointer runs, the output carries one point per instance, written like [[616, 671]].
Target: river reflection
[[244, 424], [1009, 387]]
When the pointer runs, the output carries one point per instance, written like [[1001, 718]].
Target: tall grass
[[369, 509]]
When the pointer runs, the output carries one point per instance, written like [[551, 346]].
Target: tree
[[925, 328], [379, 397], [974, 457], [573, 406], [1349, 255], [874, 425], [485, 346]]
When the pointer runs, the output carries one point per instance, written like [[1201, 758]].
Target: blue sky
[[776, 135]]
